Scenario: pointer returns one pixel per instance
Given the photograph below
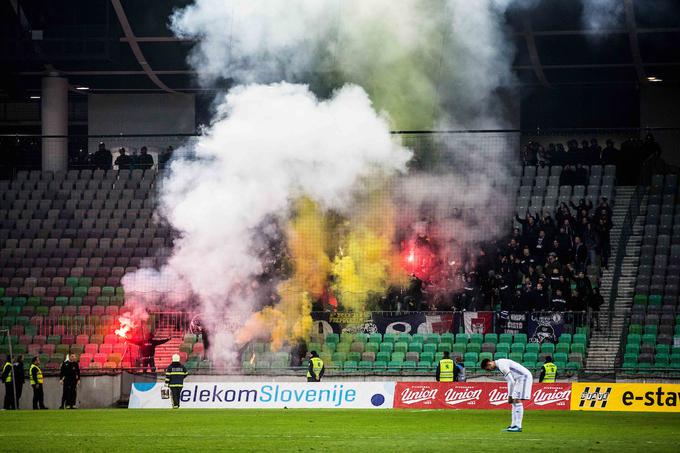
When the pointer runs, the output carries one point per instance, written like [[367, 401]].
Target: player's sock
[[513, 413], [518, 412]]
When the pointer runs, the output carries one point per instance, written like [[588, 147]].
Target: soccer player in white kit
[[519, 381]]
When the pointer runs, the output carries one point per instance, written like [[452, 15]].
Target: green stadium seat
[[350, 366], [397, 357], [577, 347], [471, 357], [432, 338], [573, 366], [332, 338], [518, 347], [485, 355], [427, 357], [505, 338], [80, 291], [644, 368], [629, 367], [329, 347], [520, 338], [383, 356], [403, 337], [474, 347], [379, 365], [389, 338], [61, 301], [353, 356], [394, 367], [418, 338], [346, 337], [516, 356], [634, 338], [444, 347], [649, 338], [459, 347], [640, 299], [663, 348], [503, 347], [75, 301], [529, 365], [386, 347], [365, 366], [401, 347], [424, 366], [470, 365], [375, 338], [408, 365], [651, 329], [339, 357], [530, 357], [33, 301], [532, 347], [361, 337], [461, 338], [415, 346], [655, 299], [579, 338], [430, 347], [547, 348], [560, 357], [565, 338], [500, 355], [448, 338], [661, 359], [635, 328], [438, 356], [371, 347], [491, 338], [477, 338]]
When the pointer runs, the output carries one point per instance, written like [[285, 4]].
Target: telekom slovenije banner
[[476, 395]]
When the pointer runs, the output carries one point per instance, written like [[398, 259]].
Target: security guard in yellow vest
[[36, 378], [445, 369], [8, 378], [548, 372], [316, 368]]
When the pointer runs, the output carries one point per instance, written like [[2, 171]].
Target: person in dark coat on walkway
[[69, 377]]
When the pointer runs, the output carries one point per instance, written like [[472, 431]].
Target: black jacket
[[70, 372], [175, 374], [147, 346]]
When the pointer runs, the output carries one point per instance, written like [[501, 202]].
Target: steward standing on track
[[548, 371], [174, 378], [69, 376], [445, 367], [316, 368], [7, 375], [36, 378]]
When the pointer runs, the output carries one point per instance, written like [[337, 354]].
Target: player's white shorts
[[522, 389]]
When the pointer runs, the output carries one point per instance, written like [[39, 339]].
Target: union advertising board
[[599, 396], [476, 395], [269, 395]]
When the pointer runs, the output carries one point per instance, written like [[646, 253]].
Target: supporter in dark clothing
[[102, 158], [547, 224], [552, 264], [558, 302], [609, 154], [565, 248], [525, 299], [513, 247], [147, 351], [580, 254], [164, 157], [69, 376], [526, 260], [123, 161], [19, 377], [529, 228], [651, 148], [539, 298], [568, 176], [595, 152], [580, 176], [603, 228], [583, 286], [604, 209], [583, 208], [540, 247], [145, 160], [594, 303]]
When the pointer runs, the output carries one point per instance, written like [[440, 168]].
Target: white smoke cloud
[[602, 14], [269, 145]]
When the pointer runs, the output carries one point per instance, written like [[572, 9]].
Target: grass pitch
[[333, 430]]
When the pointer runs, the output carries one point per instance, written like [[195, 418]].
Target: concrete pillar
[[54, 119]]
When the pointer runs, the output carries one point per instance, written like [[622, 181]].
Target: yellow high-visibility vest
[[446, 370], [550, 372], [9, 374], [39, 374], [317, 365]]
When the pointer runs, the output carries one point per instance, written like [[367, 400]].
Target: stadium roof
[[125, 45]]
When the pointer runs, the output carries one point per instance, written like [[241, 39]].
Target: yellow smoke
[[291, 317], [368, 263]]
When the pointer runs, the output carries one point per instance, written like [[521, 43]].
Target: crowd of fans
[[628, 157], [103, 159]]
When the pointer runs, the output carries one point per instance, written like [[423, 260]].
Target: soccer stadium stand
[[654, 316]]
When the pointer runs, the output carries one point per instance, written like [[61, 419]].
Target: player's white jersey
[[512, 370]]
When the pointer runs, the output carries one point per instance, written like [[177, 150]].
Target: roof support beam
[[134, 46], [631, 26], [533, 52]]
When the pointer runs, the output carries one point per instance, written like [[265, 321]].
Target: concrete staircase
[[604, 344]]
